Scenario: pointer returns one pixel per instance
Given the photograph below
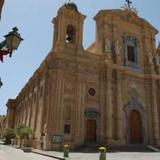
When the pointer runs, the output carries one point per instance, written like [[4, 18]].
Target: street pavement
[[9, 153], [110, 156]]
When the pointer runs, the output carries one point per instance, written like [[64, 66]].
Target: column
[[155, 113], [119, 108], [109, 104]]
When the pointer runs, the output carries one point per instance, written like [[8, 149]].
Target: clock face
[[91, 91]]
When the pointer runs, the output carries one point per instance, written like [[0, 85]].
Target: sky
[[34, 21]]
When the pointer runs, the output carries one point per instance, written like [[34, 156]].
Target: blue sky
[[33, 18]]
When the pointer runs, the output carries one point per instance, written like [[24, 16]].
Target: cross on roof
[[68, 1], [129, 3]]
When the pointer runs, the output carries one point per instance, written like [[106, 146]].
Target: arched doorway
[[135, 127]]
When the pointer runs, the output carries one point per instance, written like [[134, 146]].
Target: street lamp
[[11, 43]]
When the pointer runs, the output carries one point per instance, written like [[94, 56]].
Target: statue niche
[[118, 47], [108, 45]]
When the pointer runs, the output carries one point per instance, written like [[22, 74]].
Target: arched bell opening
[[70, 34]]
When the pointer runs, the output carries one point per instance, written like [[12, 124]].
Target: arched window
[[70, 34]]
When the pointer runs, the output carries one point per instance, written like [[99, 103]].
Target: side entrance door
[[91, 130]]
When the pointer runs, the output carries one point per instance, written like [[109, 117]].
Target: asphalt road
[[9, 153]]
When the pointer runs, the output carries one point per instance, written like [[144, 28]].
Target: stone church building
[[106, 94]]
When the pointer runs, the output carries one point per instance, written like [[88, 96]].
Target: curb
[[43, 154]]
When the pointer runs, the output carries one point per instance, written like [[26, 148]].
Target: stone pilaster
[[152, 68], [11, 113], [59, 104], [109, 105], [119, 109], [30, 112], [102, 107], [149, 126], [155, 114], [79, 112], [54, 103], [36, 110], [158, 68], [48, 85]]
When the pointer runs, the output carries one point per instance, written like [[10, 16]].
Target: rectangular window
[[131, 53], [131, 57], [67, 129]]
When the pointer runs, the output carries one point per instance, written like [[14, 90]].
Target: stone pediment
[[124, 15], [132, 17]]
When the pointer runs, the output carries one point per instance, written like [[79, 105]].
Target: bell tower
[[68, 28]]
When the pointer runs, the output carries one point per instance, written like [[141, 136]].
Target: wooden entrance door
[[91, 130], [135, 127]]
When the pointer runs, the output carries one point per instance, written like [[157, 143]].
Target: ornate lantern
[[13, 39], [11, 43]]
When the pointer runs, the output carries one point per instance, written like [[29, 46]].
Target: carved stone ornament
[[118, 47], [108, 47], [157, 60], [91, 91], [150, 58], [91, 114], [134, 85], [133, 100]]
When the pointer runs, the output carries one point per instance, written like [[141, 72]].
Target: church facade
[[107, 94]]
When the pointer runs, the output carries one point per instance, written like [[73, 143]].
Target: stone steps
[[94, 148], [88, 148], [130, 148]]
